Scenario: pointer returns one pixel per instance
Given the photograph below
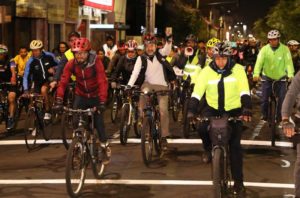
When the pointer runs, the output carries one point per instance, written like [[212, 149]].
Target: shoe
[[164, 144], [47, 116], [239, 189], [206, 157], [10, 123], [106, 153]]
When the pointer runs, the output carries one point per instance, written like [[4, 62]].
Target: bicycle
[[151, 128], [84, 149], [4, 102], [175, 99], [129, 114], [220, 134], [117, 98], [35, 125], [67, 118], [272, 108]]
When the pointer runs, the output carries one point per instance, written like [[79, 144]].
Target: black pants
[[85, 103], [235, 148]]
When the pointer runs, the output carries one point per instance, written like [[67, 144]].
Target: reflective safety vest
[[208, 60], [69, 55], [169, 59], [192, 69]]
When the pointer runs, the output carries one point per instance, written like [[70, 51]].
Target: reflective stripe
[[195, 96], [69, 54], [245, 93], [226, 80]]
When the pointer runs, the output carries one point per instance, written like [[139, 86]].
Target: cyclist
[[61, 49], [39, 69], [115, 59], [173, 56], [125, 65], [68, 55], [289, 126], [109, 47], [20, 60], [294, 49], [153, 72], [105, 60], [8, 74], [274, 61], [226, 90], [250, 54], [90, 88]]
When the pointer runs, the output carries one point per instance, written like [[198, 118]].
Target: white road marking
[[171, 141], [140, 182], [286, 164]]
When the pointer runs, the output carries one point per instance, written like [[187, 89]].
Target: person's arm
[[112, 63], [166, 50], [290, 97], [60, 67], [244, 90], [259, 63], [65, 78], [102, 81], [289, 64], [13, 79], [26, 74], [136, 71]]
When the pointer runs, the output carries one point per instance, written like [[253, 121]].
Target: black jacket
[[125, 67]]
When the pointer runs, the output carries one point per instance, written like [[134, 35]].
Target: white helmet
[[273, 34], [293, 42], [36, 44]]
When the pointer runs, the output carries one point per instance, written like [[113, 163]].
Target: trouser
[[280, 91], [163, 106], [85, 103], [235, 148], [297, 172]]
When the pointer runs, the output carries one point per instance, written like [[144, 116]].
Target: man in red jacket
[[91, 85]]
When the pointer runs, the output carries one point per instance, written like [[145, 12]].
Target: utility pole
[[150, 16]]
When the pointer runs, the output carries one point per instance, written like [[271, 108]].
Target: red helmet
[[131, 45], [81, 44], [149, 38]]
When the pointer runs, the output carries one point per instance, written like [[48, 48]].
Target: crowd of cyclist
[[220, 73]]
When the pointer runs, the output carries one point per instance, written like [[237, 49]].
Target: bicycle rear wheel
[[32, 129], [156, 131], [76, 165], [272, 121], [146, 141], [66, 129], [218, 173], [137, 124], [124, 127], [175, 105]]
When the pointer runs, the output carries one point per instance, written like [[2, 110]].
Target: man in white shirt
[[109, 47], [153, 72]]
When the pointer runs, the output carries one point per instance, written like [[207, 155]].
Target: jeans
[[85, 103]]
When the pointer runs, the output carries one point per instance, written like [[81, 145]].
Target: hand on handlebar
[[288, 128]]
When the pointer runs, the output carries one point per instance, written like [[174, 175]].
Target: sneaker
[[164, 144], [206, 157], [10, 123], [239, 189], [107, 153], [47, 116]]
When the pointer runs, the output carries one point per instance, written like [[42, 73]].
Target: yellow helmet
[[212, 42]]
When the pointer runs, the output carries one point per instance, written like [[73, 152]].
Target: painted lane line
[[140, 182], [137, 141], [285, 164]]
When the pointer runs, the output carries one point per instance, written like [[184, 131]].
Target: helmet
[[293, 42], [222, 49], [81, 44], [149, 38], [36, 44], [3, 49], [273, 34], [140, 47], [121, 45], [131, 45], [191, 37], [75, 34], [212, 42], [252, 39]]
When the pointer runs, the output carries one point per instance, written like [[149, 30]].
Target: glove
[[113, 85], [101, 107], [288, 128], [58, 106]]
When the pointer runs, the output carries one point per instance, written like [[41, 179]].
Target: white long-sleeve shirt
[[154, 73]]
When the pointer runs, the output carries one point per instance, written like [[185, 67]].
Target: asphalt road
[[268, 171]]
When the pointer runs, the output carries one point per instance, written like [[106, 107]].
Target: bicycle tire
[[47, 128], [66, 129], [31, 130], [124, 127], [175, 105], [146, 141], [272, 115], [115, 108], [186, 120], [137, 126], [218, 175], [76, 147], [157, 137]]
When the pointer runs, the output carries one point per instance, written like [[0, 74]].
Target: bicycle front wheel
[[146, 141], [115, 108], [97, 162], [218, 174], [66, 129], [76, 165], [124, 126], [32, 130]]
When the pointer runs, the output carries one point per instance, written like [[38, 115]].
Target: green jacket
[[274, 64], [235, 86]]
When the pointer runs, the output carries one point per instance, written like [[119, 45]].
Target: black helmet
[[191, 37], [76, 34]]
